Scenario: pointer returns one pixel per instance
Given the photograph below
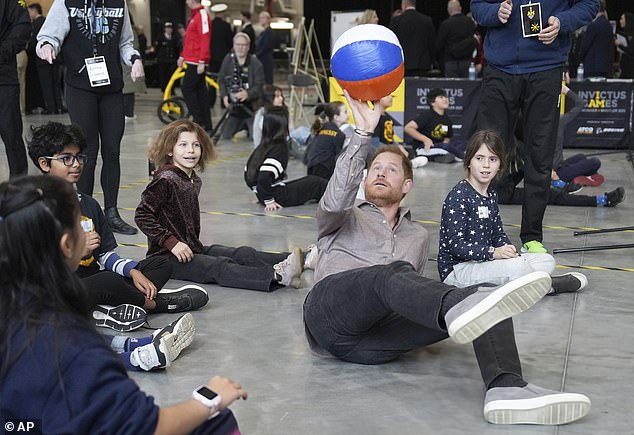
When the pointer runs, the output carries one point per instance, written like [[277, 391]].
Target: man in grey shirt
[[371, 303]]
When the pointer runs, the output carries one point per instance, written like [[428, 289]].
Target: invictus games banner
[[464, 96], [605, 121]]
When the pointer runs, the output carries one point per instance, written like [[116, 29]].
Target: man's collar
[[402, 211]]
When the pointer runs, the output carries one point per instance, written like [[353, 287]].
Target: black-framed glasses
[[69, 159]]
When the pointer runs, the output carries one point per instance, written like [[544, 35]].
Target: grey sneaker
[[477, 313], [569, 283], [182, 330], [311, 255], [533, 405], [289, 271]]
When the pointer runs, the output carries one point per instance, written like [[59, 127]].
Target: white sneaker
[[154, 355], [289, 271], [534, 405], [311, 255], [182, 331], [419, 162]]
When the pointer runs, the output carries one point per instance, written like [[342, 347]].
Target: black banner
[[464, 96], [605, 121]]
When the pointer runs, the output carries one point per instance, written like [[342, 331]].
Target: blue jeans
[[372, 315]]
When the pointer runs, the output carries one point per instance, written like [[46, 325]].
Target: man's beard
[[384, 197]]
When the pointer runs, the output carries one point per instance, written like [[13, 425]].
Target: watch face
[[206, 393]]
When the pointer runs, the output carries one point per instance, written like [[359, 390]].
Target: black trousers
[[536, 96], [100, 117], [457, 68], [515, 195], [300, 191], [196, 96], [371, 315], [49, 81], [241, 267], [110, 288], [11, 129], [165, 71]]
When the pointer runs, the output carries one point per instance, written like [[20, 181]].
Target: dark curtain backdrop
[[436, 9]]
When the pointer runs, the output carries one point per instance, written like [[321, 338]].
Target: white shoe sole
[[185, 287], [183, 336], [546, 410], [512, 298], [581, 277], [122, 318]]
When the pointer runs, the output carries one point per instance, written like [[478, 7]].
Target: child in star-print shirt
[[473, 246]]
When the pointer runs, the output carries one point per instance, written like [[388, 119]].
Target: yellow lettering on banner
[[597, 102]]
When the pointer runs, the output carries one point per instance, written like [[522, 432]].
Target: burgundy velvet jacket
[[169, 211]]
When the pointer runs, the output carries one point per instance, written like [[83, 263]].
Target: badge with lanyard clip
[[96, 65], [531, 19]]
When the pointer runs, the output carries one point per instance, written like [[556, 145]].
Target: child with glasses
[[473, 246], [122, 290]]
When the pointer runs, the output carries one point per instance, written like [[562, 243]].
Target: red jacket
[[197, 37]]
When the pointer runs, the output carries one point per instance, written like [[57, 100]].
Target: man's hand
[[137, 70], [242, 95], [47, 53], [183, 252], [506, 251], [228, 390], [365, 118], [93, 240], [504, 12], [143, 284], [548, 35], [200, 68], [225, 101], [272, 206], [180, 61]]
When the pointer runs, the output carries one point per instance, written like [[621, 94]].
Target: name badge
[[531, 19], [86, 224], [97, 71], [483, 212]]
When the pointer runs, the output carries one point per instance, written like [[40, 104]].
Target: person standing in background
[[221, 43], [416, 33], [14, 35], [247, 28], [597, 46], [167, 50], [456, 41], [196, 55], [264, 46], [95, 39], [524, 67]]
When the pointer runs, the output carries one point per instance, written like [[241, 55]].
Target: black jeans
[[99, 116], [300, 191], [241, 267], [11, 129], [536, 96], [372, 315], [110, 288], [196, 96]]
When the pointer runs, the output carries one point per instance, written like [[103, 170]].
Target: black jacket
[[455, 39], [416, 33], [15, 29]]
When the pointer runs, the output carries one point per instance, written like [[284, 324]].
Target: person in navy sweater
[[54, 366], [524, 67], [473, 246]]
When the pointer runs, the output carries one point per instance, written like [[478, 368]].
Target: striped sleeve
[[111, 261], [273, 166]]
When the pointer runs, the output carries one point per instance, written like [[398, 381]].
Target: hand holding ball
[[367, 61]]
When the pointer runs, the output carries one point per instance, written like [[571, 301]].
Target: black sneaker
[[123, 318], [118, 225], [615, 197], [186, 298], [568, 283], [572, 188]]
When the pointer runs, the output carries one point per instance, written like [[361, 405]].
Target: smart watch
[[208, 398]]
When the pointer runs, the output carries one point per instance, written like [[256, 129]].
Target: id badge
[[86, 224], [483, 212], [531, 19], [97, 71]]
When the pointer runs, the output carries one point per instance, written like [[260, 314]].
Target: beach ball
[[367, 61]]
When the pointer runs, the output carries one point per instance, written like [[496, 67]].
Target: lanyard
[[96, 25]]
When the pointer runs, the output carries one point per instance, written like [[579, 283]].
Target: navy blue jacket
[[74, 384], [596, 46], [507, 50]]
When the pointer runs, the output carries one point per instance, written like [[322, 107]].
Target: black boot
[[118, 225]]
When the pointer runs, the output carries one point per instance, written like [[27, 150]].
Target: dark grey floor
[[577, 343]]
